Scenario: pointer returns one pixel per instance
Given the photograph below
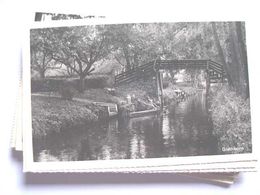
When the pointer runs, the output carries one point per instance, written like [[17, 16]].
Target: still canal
[[185, 129]]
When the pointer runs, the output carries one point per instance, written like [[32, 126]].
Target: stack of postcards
[[98, 95]]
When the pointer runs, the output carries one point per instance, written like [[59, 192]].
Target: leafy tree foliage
[[41, 51], [78, 48], [130, 45]]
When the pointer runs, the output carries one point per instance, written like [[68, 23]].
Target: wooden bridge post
[[207, 80], [159, 87], [222, 74]]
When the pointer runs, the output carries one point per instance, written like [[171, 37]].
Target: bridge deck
[[215, 70]]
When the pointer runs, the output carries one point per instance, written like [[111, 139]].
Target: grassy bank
[[231, 120], [52, 114], [99, 95], [140, 90]]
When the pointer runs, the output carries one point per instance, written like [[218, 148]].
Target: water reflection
[[184, 131]]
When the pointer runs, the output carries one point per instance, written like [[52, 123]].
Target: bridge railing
[[182, 64], [215, 69], [132, 74], [217, 72]]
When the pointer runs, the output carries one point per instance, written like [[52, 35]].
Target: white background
[[15, 15]]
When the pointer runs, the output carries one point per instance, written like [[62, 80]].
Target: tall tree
[[221, 53], [233, 54], [123, 43], [132, 43], [238, 58], [41, 52], [79, 48], [241, 40]]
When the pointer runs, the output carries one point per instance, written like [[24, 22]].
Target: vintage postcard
[[104, 95]]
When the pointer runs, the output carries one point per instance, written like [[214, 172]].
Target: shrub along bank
[[54, 84], [53, 114], [231, 120]]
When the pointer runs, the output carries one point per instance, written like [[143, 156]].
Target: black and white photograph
[[154, 96], [139, 91]]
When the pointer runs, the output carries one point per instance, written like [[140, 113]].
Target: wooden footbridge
[[214, 72]]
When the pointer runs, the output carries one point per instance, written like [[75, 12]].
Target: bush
[[231, 119], [51, 114], [54, 84], [45, 85], [97, 81], [67, 90]]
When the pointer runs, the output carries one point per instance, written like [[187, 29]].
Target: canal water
[[185, 129]]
